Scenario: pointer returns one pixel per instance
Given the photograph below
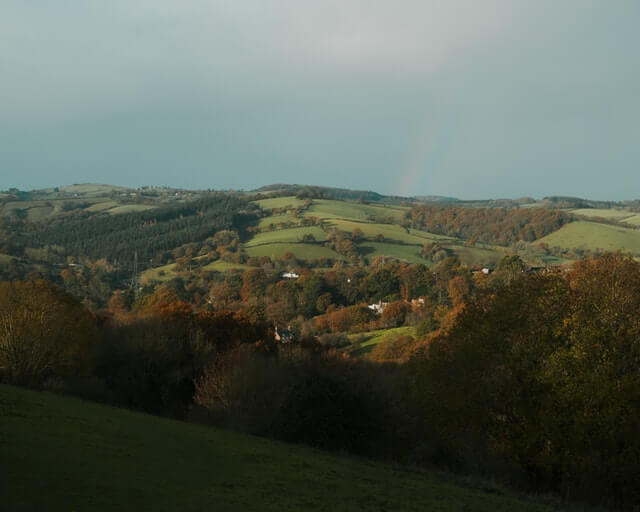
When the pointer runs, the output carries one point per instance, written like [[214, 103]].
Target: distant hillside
[[61, 454]]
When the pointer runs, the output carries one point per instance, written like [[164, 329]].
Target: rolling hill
[[59, 453]]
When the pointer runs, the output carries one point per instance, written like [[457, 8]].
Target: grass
[[291, 235], [330, 209], [392, 232], [276, 219], [102, 206], [129, 208], [408, 253], [301, 251], [63, 454], [279, 202], [223, 266], [603, 213], [593, 235], [635, 220], [89, 189], [38, 213], [479, 255], [365, 342], [5, 258]]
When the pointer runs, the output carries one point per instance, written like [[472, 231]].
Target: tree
[[44, 334]]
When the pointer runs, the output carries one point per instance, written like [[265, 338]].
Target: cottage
[[283, 335], [379, 307]]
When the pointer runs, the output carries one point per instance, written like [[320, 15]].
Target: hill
[[59, 453]]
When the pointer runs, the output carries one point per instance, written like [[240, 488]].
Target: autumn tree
[[44, 334]]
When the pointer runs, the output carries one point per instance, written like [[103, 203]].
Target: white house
[[290, 275], [379, 307]]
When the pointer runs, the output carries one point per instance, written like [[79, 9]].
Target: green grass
[[593, 235], [634, 221], [276, 219], [279, 202], [364, 342], [102, 206], [301, 251], [223, 266], [291, 235], [392, 232], [330, 209], [89, 189], [603, 213], [409, 253], [159, 274], [130, 208], [479, 255], [63, 454], [38, 213]]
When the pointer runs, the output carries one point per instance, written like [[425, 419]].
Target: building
[[379, 307], [283, 335], [290, 275]]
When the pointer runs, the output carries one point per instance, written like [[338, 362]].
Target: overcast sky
[[474, 99]]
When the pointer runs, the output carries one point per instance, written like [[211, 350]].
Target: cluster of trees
[[500, 226], [117, 238]]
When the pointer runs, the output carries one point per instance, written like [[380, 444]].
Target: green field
[[410, 253], [330, 209], [289, 236], [634, 221], [364, 342], [159, 274], [223, 266], [393, 232], [89, 189], [479, 255], [129, 208], [63, 454], [276, 219], [102, 206], [593, 235], [603, 213], [279, 202], [301, 251], [38, 213]]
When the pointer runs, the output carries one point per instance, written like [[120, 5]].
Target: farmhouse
[[283, 335], [290, 275], [379, 307]]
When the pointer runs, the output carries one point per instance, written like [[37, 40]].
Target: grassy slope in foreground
[[59, 453]]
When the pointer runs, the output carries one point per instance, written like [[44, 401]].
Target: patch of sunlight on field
[[593, 235], [291, 235], [300, 251], [279, 202]]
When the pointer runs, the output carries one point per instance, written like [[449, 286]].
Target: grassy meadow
[[299, 250], [63, 454], [593, 235], [364, 342]]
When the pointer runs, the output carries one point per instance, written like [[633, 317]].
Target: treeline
[[500, 226], [118, 237]]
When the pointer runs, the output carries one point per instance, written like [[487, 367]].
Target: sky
[[464, 98]]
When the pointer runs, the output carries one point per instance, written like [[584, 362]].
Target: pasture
[[279, 202], [363, 342], [593, 235], [330, 209], [60, 454], [290, 236], [300, 250], [603, 213]]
